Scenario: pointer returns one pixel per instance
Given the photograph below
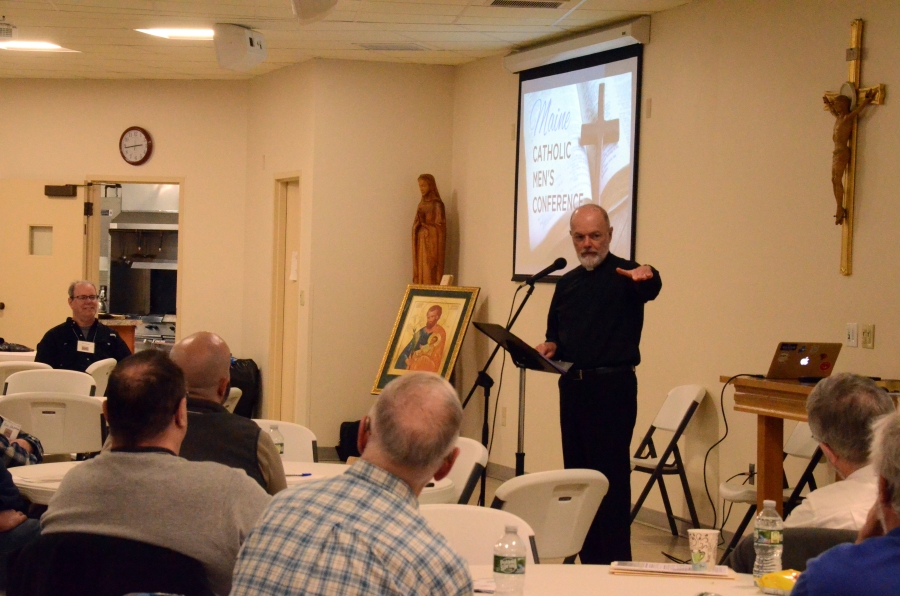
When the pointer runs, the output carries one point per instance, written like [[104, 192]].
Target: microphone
[[558, 264]]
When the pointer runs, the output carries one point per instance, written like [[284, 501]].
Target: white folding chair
[[472, 531], [559, 505], [13, 366], [101, 370], [234, 396], [64, 422], [673, 416], [466, 471], [299, 442], [17, 356], [800, 444], [53, 380]]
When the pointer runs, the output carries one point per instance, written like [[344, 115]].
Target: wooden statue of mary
[[429, 234]]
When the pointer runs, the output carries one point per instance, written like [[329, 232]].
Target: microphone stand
[[485, 381]]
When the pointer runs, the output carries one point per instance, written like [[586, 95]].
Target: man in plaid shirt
[[361, 532], [24, 450]]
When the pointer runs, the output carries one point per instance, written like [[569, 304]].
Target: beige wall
[[372, 129], [280, 144], [69, 130], [734, 208]]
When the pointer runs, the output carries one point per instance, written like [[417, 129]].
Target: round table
[[38, 483], [296, 472], [561, 580]]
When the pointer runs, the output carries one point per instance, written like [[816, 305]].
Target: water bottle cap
[[512, 529], [767, 504]]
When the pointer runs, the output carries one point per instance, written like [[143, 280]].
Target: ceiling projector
[[237, 47], [312, 10]]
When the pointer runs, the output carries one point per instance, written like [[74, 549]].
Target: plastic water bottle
[[277, 438], [509, 563], [768, 544]]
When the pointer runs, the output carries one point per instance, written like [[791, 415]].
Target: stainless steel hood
[[144, 220], [158, 198]]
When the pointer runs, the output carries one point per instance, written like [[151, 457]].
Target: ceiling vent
[[525, 4], [392, 47]]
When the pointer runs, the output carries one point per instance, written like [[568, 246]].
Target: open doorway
[[133, 253]]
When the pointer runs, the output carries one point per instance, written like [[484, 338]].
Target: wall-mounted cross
[[844, 158]]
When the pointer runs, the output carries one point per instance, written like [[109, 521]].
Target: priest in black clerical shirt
[[595, 322]]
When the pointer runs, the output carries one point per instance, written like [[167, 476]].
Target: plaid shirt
[[13, 453], [357, 533]]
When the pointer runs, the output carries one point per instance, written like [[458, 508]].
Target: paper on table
[[642, 568], [484, 586]]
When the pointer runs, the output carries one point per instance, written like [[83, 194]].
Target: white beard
[[590, 262]]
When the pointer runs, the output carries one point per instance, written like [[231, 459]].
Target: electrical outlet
[[503, 416], [752, 474], [868, 336], [851, 337]]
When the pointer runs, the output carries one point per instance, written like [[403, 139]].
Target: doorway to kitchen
[[132, 251]]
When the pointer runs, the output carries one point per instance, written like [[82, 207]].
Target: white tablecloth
[[39, 482], [577, 580], [440, 491], [17, 356]]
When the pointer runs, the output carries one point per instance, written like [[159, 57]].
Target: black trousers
[[597, 417]]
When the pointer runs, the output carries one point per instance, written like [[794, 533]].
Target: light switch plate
[[851, 336], [868, 336]]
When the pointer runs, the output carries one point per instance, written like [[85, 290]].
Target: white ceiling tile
[[452, 31]]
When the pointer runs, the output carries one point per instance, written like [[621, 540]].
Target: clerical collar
[[143, 450]]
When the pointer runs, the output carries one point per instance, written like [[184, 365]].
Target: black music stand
[[525, 358]]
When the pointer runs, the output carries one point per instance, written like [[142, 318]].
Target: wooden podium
[[772, 401]]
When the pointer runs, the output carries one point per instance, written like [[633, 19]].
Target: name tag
[[86, 346], [10, 429]]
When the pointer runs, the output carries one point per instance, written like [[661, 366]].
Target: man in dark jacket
[[82, 340], [214, 434]]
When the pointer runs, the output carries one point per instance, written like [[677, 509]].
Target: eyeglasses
[[595, 237], [90, 298]]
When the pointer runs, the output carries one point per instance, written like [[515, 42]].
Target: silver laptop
[[803, 360]]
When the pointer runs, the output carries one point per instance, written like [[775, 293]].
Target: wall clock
[[135, 145]]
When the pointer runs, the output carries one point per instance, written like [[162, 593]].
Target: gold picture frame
[[428, 332]]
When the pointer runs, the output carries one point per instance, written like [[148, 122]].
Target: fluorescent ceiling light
[[33, 46], [186, 34]]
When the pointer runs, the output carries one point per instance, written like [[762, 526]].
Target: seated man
[[361, 532], [871, 567], [82, 340], [16, 530], [214, 434], [841, 410], [141, 490]]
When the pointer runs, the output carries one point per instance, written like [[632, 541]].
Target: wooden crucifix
[[846, 106]]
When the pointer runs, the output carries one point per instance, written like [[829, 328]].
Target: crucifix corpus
[[846, 105]]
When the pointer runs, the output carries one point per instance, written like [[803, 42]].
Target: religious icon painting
[[428, 332]]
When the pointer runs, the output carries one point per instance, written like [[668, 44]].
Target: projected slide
[[577, 133]]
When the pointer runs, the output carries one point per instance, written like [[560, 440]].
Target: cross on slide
[[601, 131]]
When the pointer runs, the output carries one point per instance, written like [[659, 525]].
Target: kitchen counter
[[125, 329], [120, 322]]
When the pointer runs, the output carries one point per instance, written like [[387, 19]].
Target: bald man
[[215, 434]]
